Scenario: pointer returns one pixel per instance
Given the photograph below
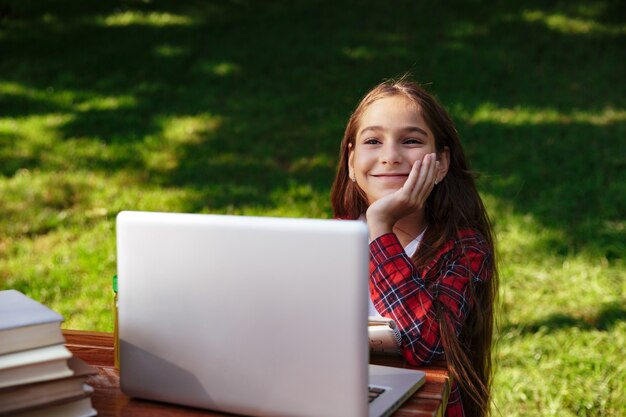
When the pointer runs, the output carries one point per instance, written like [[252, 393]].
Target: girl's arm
[[398, 292]]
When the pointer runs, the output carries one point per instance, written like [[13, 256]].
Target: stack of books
[[38, 374]]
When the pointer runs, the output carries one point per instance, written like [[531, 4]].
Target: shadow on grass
[[283, 81], [607, 317]]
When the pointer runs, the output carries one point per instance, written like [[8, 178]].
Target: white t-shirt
[[410, 250]]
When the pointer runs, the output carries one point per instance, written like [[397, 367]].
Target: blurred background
[[239, 107]]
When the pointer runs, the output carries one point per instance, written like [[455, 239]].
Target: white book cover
[[26, 323], [80, 407], [33, 365], [37, 394]]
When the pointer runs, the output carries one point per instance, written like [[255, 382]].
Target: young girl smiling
[[432, 268]]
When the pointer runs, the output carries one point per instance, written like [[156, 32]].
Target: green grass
[[239, 107]]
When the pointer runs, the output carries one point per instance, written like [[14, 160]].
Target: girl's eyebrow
[[416, 129], [406, 129]]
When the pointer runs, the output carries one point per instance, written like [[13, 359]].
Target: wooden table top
[[97, 349]]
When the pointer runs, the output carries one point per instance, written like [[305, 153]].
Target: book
[[26, 323], [42, 364], [36, 394], [384, 336], [79, 406]]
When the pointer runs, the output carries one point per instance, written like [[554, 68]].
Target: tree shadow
[[283, 81], [607, 317]]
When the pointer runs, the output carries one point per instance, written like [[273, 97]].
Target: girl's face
[[390, 137]]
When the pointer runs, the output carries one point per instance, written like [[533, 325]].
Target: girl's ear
[[351, 163], [444, 164]]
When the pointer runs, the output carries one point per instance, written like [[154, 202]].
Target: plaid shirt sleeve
[[410, 298]]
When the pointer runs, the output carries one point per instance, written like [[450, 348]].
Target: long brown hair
[[454, 204]]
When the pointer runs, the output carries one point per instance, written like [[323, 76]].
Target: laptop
[[250, 315]]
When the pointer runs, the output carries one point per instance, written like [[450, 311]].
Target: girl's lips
[[392, 177]]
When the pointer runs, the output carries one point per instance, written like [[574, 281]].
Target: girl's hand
[[386, 211]]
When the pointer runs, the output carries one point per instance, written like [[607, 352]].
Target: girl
[[432, 268]]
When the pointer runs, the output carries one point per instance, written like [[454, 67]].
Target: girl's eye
[[412, 141], [371, 141]]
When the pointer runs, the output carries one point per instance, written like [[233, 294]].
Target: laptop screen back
[[250, 315]]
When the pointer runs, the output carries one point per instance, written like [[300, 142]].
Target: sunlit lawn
[[239, 107]]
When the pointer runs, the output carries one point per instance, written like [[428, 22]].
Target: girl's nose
[[390, 154]]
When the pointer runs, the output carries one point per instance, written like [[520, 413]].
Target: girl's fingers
[[423, 185], [432, 176], [411, 181], [429, 183]]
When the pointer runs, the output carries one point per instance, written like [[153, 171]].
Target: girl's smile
[[391, 177]]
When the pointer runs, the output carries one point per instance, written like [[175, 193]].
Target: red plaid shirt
[[409, 296]]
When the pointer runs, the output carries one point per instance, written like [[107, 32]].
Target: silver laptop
[[250, 315]]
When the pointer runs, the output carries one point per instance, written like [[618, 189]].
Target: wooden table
[[96, 349]]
